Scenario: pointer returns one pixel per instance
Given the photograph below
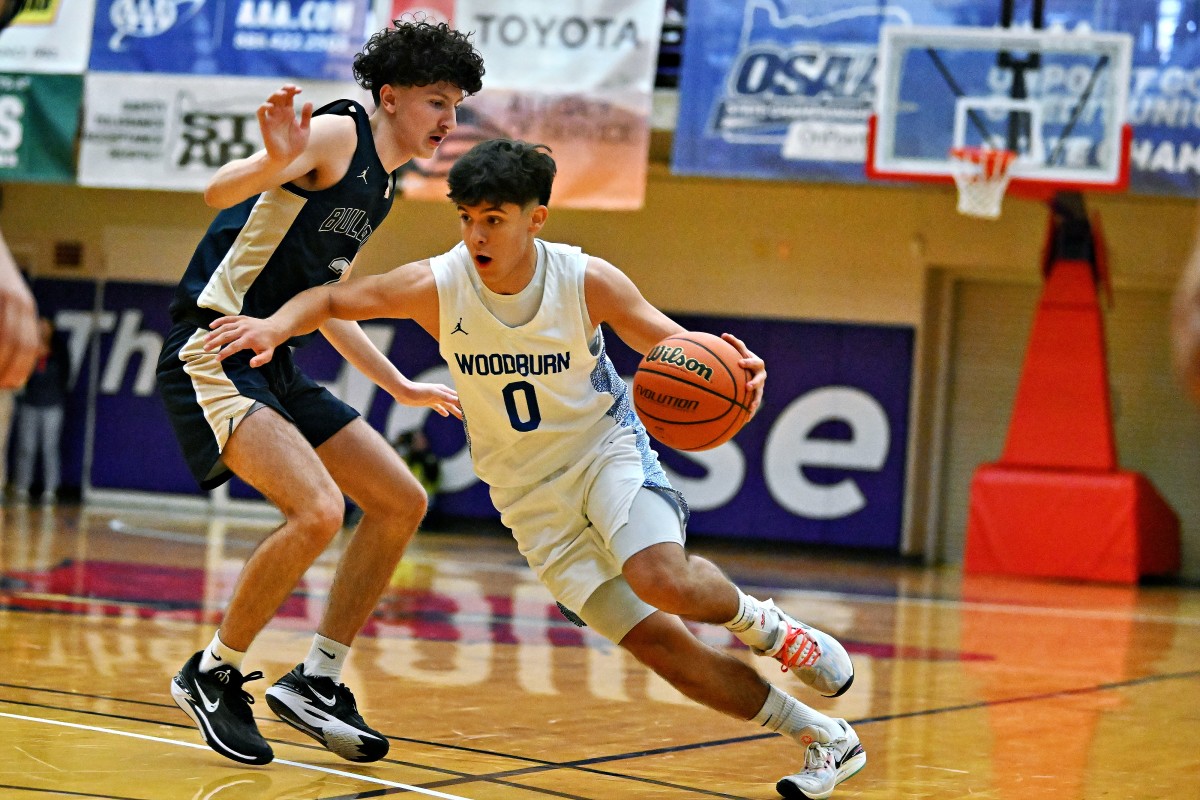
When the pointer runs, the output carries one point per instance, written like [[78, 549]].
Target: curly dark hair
[[419, 53], [502, 171]]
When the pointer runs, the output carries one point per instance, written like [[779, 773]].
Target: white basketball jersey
[[535, 397]]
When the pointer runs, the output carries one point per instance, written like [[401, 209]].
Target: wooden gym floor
[[979, 688]]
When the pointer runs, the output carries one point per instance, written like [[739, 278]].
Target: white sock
[[218, 654], [326, 657], [787, 715], [752, 624]]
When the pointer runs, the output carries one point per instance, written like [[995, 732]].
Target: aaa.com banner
[[48, 36], [823, 461], [281, 38], [145, 132], [783, 88], [576, 75], [39, 115]]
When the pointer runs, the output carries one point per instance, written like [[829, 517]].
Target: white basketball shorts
[[565, 528]]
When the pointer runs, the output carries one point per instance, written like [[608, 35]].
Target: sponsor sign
[[783, 88], [39, 115], [600, 144], [143, 132], [48, 36], [779, 89], [823, 461], [280, 38], [577, 76]]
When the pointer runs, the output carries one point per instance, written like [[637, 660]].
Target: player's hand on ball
[[755, 366]]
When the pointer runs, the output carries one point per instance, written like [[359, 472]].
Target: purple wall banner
[[822, 462]]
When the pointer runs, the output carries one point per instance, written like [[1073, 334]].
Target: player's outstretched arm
[[19, 338], [613, 298], [356, 347], [349, 339], [406, 292], [292, 148]]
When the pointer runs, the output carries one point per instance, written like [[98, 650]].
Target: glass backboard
[[1056, 98]]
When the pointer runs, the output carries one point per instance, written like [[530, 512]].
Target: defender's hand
[[284, 136], [439, 397], [234, 334]]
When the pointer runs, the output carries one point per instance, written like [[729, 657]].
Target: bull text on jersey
[[352, 222]]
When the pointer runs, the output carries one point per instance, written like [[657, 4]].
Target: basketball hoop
[[982, 176]]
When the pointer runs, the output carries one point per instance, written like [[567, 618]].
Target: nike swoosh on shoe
[[209, 705]]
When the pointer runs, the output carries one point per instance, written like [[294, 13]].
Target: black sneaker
[[327, 712], [220, 708]]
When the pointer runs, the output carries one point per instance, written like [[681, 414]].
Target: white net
[[981, 175]]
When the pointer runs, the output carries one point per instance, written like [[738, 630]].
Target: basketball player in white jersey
[[552, 432]]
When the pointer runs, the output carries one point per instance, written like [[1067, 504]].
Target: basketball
[[690, 392]]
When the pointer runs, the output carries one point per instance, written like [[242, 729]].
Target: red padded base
[[1100, 526]]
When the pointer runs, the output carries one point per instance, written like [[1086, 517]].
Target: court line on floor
[[172, 707], [1029, 698], [581, 764], [972, 605], [539, 766], [68, 793], [459, 774], [193, 745], [457, 777]]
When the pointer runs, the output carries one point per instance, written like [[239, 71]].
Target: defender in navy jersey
[[552, 431], [294, 216]]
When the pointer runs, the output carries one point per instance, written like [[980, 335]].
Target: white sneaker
[[825, 766], [817, 658]]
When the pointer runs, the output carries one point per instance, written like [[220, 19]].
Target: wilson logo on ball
[[676, 357]]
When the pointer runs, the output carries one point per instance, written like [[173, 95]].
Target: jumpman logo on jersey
[[459, 329], [363, 175]]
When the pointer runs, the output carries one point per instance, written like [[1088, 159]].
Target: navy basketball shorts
[[206, 399]]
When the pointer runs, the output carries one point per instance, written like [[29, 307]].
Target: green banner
[[39, 119]]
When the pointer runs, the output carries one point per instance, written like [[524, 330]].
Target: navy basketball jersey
[[264, 251]]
